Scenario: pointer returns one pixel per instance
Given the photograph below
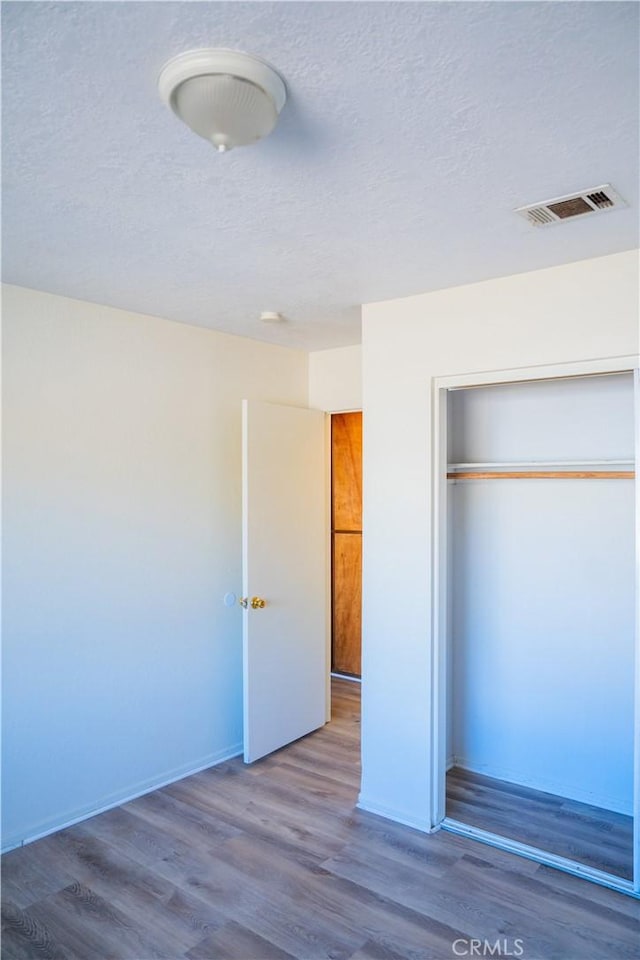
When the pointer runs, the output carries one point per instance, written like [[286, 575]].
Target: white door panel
[[285, 538]]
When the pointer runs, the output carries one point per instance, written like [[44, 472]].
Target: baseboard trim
[[346, 676], [45, 829], [398, 816]]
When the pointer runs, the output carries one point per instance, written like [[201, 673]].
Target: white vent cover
[[596, 200]]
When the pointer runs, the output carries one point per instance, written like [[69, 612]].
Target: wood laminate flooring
[[589, 835], [274, 861]]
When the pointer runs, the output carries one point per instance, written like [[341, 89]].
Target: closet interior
[[541, 615]]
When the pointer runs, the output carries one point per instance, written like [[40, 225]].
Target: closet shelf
[[541, 464], [543, 470]]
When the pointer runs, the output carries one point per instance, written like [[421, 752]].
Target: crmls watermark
[[488, 948]]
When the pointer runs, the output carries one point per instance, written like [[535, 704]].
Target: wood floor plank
[[523, 900], [313, 783], [235, 942], [578, 831], [265, 818], [257, 895], [105, 867], [181, 820], [32, 872], [343, 906], [499, 858], [376, 951], [276, 861], [144, 842], [90, 926], [559, 884], [143, 895], [24, 938]]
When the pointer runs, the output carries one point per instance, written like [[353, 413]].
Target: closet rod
[[543, 475]]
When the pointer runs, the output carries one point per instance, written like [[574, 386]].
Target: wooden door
[[284, 564], [346, 537]]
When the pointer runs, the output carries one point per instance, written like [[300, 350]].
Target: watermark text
[[504, 947]]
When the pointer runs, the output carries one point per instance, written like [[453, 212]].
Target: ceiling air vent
[[596, 200]]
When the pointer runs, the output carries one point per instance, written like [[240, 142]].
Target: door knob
[[256, 603]]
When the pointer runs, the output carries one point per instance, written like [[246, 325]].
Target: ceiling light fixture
[[271, 316], [228, 97]]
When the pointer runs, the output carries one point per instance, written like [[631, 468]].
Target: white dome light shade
[[225, 110], [227, 97]]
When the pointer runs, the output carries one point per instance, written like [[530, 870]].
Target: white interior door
[[285, 536]]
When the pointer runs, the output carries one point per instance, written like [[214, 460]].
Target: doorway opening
[[346, 545], [536, 616]]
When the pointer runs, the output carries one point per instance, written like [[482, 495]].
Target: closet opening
[[536, 616]]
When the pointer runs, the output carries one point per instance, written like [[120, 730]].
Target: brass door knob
[[256, 603]]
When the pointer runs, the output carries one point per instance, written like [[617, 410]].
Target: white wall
[[579, 311], [542, 584], [122, 532], [581, 419], [335, 379]]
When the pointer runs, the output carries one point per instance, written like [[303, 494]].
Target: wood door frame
[[354, 678], [440, 593], [329, 565], [329, 574]]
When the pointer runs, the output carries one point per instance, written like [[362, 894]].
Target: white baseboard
[[47, 827], [615, 804], [346, 676], [399, 816]]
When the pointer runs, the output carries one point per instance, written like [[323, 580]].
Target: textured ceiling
[[411, 132]]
